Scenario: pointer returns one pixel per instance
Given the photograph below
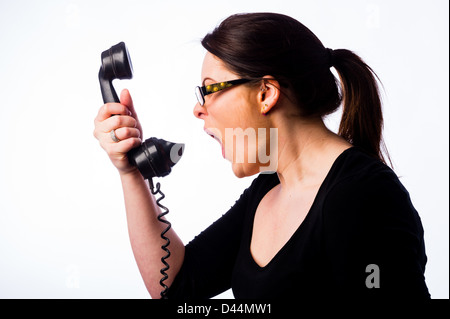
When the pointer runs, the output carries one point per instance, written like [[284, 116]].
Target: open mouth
[[215, 134]]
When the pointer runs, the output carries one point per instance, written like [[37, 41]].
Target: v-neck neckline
[[305, 220]]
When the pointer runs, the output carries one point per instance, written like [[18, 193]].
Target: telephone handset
[[154, 157]]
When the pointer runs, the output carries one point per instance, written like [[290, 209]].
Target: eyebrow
[[207, 78]]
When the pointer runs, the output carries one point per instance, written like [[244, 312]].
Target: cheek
[[236, 109], [230, 118], [235, 118], [226, 115]]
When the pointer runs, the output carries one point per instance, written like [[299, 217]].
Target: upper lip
[[210, 133]]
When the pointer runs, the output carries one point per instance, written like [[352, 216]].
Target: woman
[[333, 220]]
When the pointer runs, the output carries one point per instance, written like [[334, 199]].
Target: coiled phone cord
[[164, 212]]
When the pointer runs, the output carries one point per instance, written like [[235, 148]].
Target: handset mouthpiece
[[156, 157]]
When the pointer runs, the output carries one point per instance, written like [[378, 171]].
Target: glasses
[[202, 91]]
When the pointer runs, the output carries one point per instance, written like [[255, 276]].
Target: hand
[[126, 126]]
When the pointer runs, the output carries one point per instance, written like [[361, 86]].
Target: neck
[[307, 150]]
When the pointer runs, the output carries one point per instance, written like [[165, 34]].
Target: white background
[[63, 231]]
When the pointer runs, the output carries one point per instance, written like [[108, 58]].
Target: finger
[[116, 122], [124, 133], [110, 109], [124, 146]]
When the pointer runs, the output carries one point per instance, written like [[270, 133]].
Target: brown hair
[[253, 45]]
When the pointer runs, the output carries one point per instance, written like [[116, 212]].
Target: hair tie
[[330, 53]]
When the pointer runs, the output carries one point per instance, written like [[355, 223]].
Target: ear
[[269, 94]]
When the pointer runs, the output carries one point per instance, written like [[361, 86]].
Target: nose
[[199, 111]]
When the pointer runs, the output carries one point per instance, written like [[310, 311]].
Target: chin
[[241, 170]]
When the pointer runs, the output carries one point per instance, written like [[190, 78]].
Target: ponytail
[[362, 117]]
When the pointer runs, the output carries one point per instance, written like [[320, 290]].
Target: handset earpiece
[[154, 157], [116, 64]]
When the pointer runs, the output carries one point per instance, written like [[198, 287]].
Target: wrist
[[131, 173]]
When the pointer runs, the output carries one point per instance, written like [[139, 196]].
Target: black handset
[[154, 157]]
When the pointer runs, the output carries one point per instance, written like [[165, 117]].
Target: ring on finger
[[113, 136]]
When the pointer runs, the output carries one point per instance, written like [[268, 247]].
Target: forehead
[[215, 69]]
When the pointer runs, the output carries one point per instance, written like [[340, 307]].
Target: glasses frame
[[202, 91]]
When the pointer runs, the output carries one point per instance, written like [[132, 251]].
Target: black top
[[362, 238]]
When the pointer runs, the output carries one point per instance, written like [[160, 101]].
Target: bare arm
[[145, 234], [143, 226]]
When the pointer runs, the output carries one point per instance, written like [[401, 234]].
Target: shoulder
[[363, 190], [356, 172]]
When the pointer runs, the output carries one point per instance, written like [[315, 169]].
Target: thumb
[[125, 99]]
